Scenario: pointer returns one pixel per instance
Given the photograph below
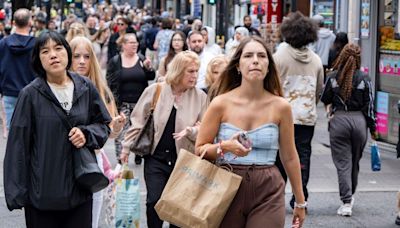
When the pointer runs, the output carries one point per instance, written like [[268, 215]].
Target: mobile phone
[[244, 139]]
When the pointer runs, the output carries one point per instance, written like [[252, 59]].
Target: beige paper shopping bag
[[198, 193]]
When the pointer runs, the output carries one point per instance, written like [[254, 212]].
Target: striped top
[[265, 141]]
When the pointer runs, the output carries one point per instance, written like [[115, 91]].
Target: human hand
[[374, 135], [179, 135], [124, 157], [147, 63], [77, 137], [119, 122], [299, 214], [235, 147]]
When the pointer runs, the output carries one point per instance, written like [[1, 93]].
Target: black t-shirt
[[133, 82]]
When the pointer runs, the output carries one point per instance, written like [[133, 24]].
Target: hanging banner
[[196, 9], [274, 11], [365, 18]]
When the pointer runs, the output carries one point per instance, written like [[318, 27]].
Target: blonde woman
[[214, 69], [84, 62], [179, 109], [76, 29]]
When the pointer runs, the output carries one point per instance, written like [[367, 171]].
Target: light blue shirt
[[265, 141]]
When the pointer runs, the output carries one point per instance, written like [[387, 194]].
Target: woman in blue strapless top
[[250, 100]]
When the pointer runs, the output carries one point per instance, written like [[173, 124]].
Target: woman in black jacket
[[348, 96], [38, 166], [127, 76]]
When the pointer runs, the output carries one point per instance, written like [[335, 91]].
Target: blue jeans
[[9, 105]]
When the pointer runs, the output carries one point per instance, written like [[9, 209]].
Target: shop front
[[388, 70]]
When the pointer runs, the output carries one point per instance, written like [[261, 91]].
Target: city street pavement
[[375, 200]]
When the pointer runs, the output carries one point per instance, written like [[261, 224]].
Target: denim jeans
[[9, 105]]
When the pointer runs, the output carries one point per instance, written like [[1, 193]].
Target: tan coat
[[190, 109]]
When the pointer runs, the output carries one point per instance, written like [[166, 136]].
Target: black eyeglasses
[[121, 24]]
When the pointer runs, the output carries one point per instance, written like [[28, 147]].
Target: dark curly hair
[[299, 31], [347, 63]]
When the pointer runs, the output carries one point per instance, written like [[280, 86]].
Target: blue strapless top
[[265, 141]]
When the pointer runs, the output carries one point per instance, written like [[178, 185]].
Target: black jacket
[[114, 74], [38, 169], [361, 98]]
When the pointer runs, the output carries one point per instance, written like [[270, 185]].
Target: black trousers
[[156, 175], [80, 216]]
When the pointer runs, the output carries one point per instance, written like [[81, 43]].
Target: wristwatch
[[300, 205]]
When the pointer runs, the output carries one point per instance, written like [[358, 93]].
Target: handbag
[[375, 157], [143, 143], [88, 175], [198, 193]]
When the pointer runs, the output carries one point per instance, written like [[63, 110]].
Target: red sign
[[274, 11]]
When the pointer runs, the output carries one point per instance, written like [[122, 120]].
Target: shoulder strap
[[60, 114], [155, 97]]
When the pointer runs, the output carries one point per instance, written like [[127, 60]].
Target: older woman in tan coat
[[179, 110]]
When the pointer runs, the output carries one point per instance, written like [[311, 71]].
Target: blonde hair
[[177, 67], [124, 38], [76, 29], [95, 73], [218, 60]]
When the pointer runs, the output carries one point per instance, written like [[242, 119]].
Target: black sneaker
[[138, 160], [398, 220]]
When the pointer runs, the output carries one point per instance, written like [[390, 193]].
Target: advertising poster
[[382, 113], [365, 18], [389, 64]]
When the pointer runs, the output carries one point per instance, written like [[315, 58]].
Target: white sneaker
[[345, 210], [352, 201]]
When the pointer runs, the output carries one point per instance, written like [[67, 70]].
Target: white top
[[63, 93], [205, 57]]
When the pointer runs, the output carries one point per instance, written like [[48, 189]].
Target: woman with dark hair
[[123, 26], [349, 95], [302, 77], [340, 41], [127, 76], [250, 102], [177, 44], [38, 165]]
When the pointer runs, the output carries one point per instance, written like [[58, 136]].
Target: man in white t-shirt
[[196, 44]]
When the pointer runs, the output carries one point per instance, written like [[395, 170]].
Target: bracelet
[[301, 205], [219, 149]]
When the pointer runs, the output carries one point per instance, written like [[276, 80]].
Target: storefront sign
[[365, 18], [382, 113]]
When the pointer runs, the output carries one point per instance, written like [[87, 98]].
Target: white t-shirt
[[63, 93], [205, 57]]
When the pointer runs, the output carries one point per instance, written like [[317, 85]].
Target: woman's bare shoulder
[[281, 104], [221, 101]]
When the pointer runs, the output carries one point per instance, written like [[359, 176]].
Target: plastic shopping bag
[[375, 157], [127, 201]]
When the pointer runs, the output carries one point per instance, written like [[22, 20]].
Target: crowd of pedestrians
[[98, 72]]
